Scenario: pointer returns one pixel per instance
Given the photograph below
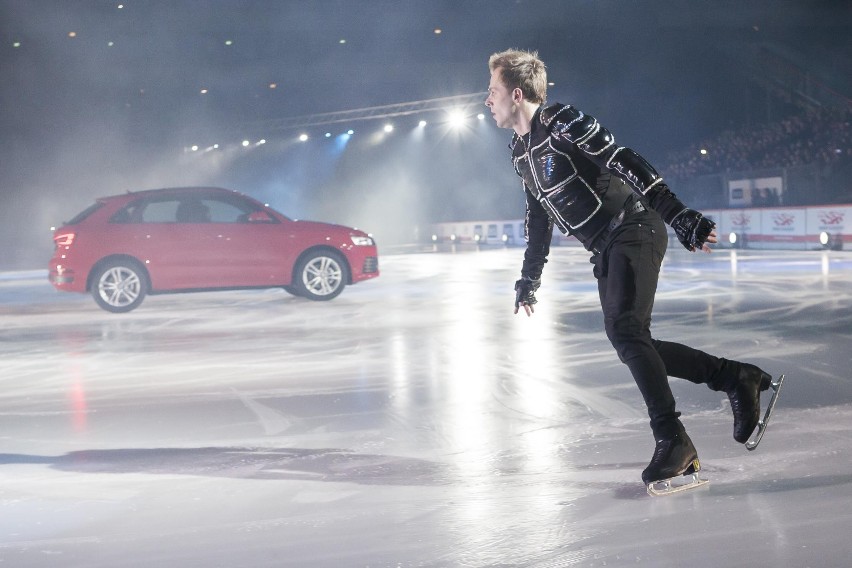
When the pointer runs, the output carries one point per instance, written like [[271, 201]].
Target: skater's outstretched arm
[[538, 230]]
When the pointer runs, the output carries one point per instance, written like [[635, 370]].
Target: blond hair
[[522, 70]]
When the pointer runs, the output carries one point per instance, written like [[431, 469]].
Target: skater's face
[[501, 101]]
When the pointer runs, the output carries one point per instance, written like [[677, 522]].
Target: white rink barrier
[[800, 228]]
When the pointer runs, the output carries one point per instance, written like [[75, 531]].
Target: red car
[[124, 247]]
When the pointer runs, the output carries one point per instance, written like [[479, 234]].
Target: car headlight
[[361, 241]]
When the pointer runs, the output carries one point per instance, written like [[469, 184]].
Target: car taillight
[[63, 240]]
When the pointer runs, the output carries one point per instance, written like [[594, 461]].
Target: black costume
[[614, 202]]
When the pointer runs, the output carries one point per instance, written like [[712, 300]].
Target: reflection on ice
[[416, 421], [330, 465]]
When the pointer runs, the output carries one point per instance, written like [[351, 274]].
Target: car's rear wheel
[[119, 286], [320, 275]]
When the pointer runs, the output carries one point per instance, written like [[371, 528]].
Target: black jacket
[[577, 178]]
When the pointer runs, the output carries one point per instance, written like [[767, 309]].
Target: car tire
[[119, 286], [291, 290], [320, 275]]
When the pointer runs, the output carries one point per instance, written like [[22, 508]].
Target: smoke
[[114, 107], [394, 185]]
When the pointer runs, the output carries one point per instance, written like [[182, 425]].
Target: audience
[[814, 137]]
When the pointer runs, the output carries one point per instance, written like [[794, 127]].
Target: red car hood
[[320, 227]]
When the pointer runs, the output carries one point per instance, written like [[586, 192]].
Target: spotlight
[[421, 124], [434, 238], [246, 143], [388, 128], [457, 119], [829, 241], [477, 237], [453, 237], [350, 132], [737, 240], [505, 238], [303, 138], [480, 116]]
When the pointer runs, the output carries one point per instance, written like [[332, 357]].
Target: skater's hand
[[525, 294], [694, 230], [712, 239]]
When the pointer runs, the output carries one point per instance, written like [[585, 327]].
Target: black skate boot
[[745, 400], [673, 457]]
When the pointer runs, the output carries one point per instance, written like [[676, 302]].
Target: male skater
[[613, 201]]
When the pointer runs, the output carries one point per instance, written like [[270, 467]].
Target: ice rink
[[416, 422]]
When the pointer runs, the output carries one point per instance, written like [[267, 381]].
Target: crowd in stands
[[817, 137]]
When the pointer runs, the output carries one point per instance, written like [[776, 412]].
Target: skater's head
[[517, 87], [522, 70]]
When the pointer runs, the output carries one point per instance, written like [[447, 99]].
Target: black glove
[[692, 228], [525, 291]]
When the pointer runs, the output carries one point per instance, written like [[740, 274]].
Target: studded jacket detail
[[577, 178]]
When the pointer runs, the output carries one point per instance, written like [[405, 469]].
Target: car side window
[[144, 211], [160, 212], [190, 209], [130, 213], [223, 211]]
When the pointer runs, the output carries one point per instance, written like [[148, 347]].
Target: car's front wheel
[[291, 290], [320, 276], [119, 286]]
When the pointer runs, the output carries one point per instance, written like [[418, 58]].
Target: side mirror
[[260, 217]]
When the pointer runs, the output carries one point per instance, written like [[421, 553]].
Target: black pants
[[627, 270]]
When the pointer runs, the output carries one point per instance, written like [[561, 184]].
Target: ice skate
[[673, 458], [745, 400], [762, 424]]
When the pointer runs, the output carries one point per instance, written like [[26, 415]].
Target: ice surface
[[415, 421]]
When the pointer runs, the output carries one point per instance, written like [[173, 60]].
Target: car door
[[248, 241], [175, 242]]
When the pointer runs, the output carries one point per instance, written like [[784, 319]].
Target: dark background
[[119, 106]]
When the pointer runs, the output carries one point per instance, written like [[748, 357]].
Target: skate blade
[[751, 445], [668, 487]]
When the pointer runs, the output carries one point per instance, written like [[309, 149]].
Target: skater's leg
[[696, 366], [627, 276], [742, 382], [627, 282]]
